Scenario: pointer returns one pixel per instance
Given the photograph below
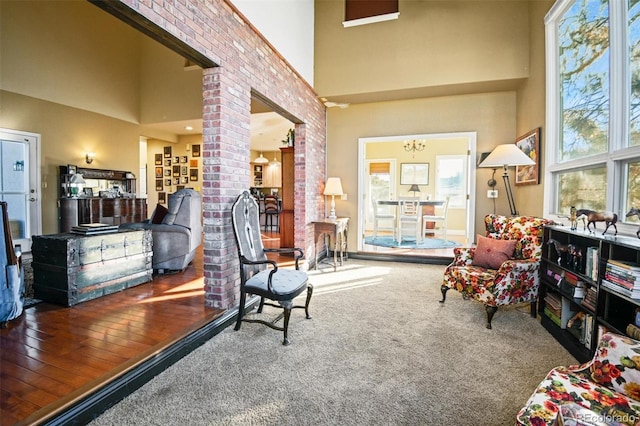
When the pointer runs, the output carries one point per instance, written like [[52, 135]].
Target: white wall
[[288, 25]]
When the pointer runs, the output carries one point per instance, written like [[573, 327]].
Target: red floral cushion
[[491, 253]]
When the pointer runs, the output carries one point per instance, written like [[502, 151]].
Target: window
[[451, 179], [593, 106]]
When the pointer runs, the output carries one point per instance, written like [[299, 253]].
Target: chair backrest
[[409, 206], [245, 218], [185, 209], [445, 206], [271, 204], [527, 230]]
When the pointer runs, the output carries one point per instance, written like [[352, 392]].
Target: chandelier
[[413, 146]]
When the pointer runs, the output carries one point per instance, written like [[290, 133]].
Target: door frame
[[32, 140], [471, 177]]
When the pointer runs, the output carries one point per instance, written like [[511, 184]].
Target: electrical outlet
[[492, 193]]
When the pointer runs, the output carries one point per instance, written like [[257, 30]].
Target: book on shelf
[[620, 281], [591, 262], [626, 264], [553, 317], [589, 300], [632, 293], [588, 330], [626, 274]]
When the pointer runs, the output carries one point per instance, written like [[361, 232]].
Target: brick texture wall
[[247, 63]]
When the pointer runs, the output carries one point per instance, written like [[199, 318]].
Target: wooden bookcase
[[585, 261]]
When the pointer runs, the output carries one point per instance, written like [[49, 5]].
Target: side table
[[336, 229]]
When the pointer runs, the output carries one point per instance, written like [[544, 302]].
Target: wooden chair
[[437, 218], [272, 212], [409, 216], [381, 213], [261, 276]]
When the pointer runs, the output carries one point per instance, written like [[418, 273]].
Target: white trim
[[371, 20]]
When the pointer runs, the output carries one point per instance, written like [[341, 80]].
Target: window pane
[[632, 199], [584, 79], [451, 179], [584, 189], [634, 68]]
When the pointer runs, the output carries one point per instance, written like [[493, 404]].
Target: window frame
[[619, 154]]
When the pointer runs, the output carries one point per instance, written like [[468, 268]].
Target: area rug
[[426, 243]]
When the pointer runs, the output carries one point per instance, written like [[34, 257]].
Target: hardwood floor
[[53, 358]]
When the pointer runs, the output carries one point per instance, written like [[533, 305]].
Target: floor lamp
[[505, 156], [333, 187]]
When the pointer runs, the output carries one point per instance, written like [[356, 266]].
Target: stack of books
[[94, 229], [590, 299], [623, 277], [553, 308]]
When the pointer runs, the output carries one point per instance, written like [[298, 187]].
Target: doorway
[[20, 183], [445, 168]]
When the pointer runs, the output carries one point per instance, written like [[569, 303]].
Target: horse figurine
[[561, 249], [591, 216], [635, 212]]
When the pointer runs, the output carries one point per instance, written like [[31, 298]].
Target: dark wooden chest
[[71, 268]]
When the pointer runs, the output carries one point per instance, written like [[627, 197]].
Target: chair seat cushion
[[286, 284]]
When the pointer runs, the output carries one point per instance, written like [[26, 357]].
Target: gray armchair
[[176, 231]]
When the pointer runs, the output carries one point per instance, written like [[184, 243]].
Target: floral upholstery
[[515, 281], [608, 386]]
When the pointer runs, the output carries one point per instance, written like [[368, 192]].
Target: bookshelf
[[588, 280]]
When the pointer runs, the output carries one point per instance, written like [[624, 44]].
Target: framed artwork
[[417, 173], [158, 184], [529, 144], [184, 179], [167, 172], [176, 181], [167, 182], [167, 152], [193, 163], [183, 170], [158, 172], [193, 175], [158, 159], [183, 159], [179, 187], [176, 159], [195, 150], [167, 163], [176, 171], [162, 197]]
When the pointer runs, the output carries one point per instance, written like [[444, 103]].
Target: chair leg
[[444, 289], [490, 311], [287, 314], [306, 305], [243, 297], [261, 305]]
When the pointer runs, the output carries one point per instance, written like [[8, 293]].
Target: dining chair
[[382, 213], [409, 216], [442, 218], [271, 212]]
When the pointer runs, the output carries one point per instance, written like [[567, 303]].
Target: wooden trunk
[[70, 268]]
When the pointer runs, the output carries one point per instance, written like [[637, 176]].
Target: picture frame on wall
[[176, 159], [167, 172], [195, 150], [193, 175], [167, 182], [417, 173], [176, 171], [179, 187], [183, 159], [158, 159], [529, 143], [176, 181], [184, 179], [167, 163], [167, 152], [184, 170], [158, 172], [162, 197], [159, 185], [193, 163]]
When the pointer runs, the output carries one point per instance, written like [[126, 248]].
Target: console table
[[336, 229], [72, 268]]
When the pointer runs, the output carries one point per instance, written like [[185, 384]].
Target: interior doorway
[[441, 166], [20, 184]]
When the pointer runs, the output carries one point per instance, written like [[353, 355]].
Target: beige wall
[[491, 115], [433, 43]]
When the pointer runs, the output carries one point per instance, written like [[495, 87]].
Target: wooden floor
[[52, 356]]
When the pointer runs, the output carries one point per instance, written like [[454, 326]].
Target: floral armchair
[[503, 268], [605, 390]]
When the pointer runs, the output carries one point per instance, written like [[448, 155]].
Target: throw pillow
[[490, 252], [158, 214]]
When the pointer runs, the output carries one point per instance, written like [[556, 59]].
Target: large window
[[593, 106]]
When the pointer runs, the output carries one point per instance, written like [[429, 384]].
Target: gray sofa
[[176, 231]]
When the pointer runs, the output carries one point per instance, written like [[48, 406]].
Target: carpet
[[426, 243], [379, 350]]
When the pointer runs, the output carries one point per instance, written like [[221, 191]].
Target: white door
[[20, 184], [379, 183]]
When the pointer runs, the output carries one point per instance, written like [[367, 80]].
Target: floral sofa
[[503, 268], [606, 389]]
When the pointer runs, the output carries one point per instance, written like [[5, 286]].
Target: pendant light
[[261, 159]]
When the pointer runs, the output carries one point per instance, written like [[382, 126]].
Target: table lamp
[[333, 187], [414, 188], [505, 156]]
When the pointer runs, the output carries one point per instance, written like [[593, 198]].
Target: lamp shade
[[333, 186], [414, 188], [261, 159], [77, 179], [507, 155]]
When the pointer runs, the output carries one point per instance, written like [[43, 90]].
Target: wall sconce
[[89, 156]]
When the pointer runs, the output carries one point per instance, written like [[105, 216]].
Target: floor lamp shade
[[504, 156], [333, 187]]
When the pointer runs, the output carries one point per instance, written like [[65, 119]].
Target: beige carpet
[[380, 350]]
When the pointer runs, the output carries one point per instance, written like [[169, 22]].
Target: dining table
[[428, 207]]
